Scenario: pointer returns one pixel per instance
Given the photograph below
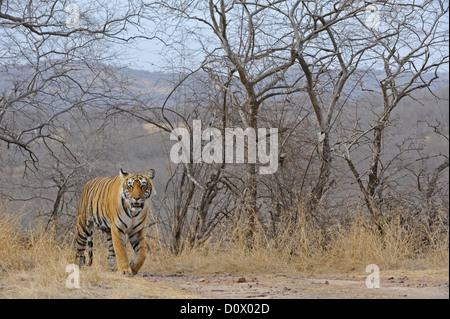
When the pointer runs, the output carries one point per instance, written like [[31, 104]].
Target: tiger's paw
[[126, 272], [134, 268]]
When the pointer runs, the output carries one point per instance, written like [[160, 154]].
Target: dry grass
[[302, 247], [33, 264]]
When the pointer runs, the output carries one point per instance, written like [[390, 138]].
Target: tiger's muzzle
[[137, 202]]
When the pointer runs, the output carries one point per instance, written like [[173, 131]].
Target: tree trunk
[[431, 190], [323, 176], [376, 154], [251, 181]]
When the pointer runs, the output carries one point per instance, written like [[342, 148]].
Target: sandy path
[[146, 285], [282, 286]]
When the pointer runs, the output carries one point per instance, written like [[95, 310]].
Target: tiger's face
[[137, 188]]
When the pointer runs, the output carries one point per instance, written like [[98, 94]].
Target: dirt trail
[[282, 286], [147, 285]]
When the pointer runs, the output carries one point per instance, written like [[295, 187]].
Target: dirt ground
[[286, 286], [146, 285]]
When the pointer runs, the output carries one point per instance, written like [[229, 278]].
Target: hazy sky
[[146, 55], [152, 55]]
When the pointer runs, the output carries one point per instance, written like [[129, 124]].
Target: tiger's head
[[136, 188]]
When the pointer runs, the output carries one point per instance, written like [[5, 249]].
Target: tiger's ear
[[151, 173], [123, 174]]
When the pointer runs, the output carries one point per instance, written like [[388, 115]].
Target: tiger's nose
[[137, 198]]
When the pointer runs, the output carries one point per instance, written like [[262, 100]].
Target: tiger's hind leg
[[112, 264], [90, 243], [83, 239]]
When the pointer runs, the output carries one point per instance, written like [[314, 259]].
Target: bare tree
[[244, 60], [409, 51], [329, 51], [53, 61]]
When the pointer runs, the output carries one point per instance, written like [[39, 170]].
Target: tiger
[[118, 206]]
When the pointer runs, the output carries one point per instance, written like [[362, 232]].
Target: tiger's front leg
[[119, 240], [137, 241]]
